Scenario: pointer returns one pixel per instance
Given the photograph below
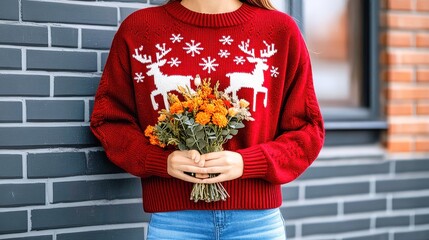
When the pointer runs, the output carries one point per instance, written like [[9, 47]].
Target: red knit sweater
[[256, 54]]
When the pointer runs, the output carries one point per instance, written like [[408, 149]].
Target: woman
[[256, 53]]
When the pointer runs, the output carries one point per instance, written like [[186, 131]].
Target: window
[[342, 38], [334, 40]]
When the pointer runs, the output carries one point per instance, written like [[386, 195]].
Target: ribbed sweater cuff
[[255, 163], [156, 162]]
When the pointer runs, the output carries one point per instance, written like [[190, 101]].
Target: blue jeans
[[217, 225]]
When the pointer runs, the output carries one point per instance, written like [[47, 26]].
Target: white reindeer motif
[[255, 79], [164, 83]]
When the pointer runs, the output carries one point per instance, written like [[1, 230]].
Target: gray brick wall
[[57, 184]]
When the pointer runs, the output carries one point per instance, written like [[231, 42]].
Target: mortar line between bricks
[[118, 15], [15, 98], [93, 203], [24, 111], [51, 150], [55, 24], [55, 49], [372, 222], [29, 223], [79, 38], [99, 63], [51, 86], [24, 166], [23, 59], [391, 235], [55, 74], [49, 192], [389, 203], [413, 219], [49, 36], [100, 177], [20, 11], [372, 186], [45, 124], [340, 207], [86, 109]]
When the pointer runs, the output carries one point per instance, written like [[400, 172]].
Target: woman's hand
[[229, 165], [180, 162]]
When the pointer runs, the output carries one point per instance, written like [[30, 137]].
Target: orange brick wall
[[404, 62]]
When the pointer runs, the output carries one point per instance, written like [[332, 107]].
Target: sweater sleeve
[[301, 125], [114, 119]]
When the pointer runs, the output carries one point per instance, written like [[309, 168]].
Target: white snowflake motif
[[224, 53], [274, 71], [226, 40], [193, 48], [139, 77], [174, 62], [239, 60], [209, 64], [176, 38]]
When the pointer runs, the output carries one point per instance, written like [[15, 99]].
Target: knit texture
[[255, 54]]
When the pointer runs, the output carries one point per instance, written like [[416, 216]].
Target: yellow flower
[[202, 118], [176, 108], [232, 112], [243, 103], [219, 120], [173, 98]]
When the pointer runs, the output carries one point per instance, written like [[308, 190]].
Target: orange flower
[[176, 108], [219, 120], [188, 105], [162, 117], [148, 132], [208, 108], [222, 110], [155, 141], [202, 118]]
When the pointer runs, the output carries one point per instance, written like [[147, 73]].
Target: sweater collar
[[241, 15]]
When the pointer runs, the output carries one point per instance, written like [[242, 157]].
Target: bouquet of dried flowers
[[201, 120]]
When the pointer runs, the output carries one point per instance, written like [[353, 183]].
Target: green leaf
[[239, 125], [198, 127], [210, 133], [229, 137], [200, 135], [234, 131], [182, 146], [190, 142], [232, 123], [201, 143]]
